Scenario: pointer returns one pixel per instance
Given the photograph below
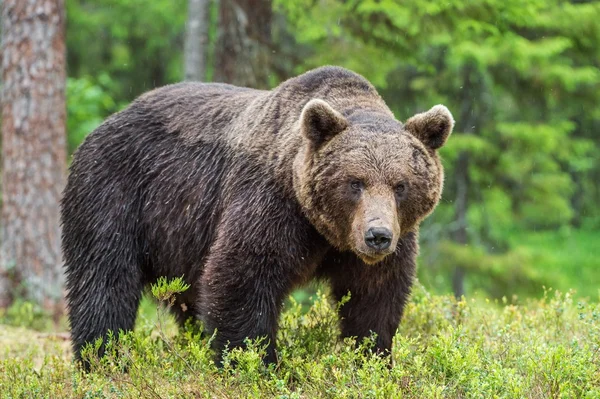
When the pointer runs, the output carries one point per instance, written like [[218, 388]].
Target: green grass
[[544, 348]]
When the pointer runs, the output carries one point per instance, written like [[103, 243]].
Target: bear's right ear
[[320, 122]]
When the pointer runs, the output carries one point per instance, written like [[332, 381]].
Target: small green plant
[[165, 290]]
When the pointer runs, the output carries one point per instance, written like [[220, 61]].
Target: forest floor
[[539, 348]]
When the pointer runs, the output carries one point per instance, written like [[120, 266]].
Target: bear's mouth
[[371, 259]]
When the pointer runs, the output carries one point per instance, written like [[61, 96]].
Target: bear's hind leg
[[104, 286], [100, 302], [102, 238]]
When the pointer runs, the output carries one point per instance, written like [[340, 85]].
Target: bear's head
[[366, 180]]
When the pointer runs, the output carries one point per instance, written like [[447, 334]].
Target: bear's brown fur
[[249, 194]]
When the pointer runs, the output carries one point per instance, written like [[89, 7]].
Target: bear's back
[[196, 111]]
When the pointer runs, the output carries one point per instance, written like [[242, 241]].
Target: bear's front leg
[[251, 269], [378, 292], [241, 298]]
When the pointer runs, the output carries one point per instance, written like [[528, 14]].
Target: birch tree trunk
[[196, 40], [33, 150]]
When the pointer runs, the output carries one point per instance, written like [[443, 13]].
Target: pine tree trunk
[[462, 206], [196, 40], [33, 150], [469, 120], [244, 42]]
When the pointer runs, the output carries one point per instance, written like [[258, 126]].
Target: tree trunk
[[33, 150], [461, 203], [196, 40], [244, 42]]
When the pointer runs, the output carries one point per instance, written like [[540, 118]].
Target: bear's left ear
[[432, 127], [320, 122]]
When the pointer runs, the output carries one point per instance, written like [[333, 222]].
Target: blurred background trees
[[196, 40], [244, 44], [522, 79]]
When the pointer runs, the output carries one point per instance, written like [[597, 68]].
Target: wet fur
[[210, 182]]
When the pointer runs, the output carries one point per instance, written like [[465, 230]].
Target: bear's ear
[[319, 122], [432, 127]]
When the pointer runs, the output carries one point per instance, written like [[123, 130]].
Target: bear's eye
[[401, 189], [356, 185]]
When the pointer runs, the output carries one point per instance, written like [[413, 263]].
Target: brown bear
[[249, 194]]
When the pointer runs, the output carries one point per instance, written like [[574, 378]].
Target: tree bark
[[196, 40], [461, 203], [469, 121], [244, 42], [33, 150]]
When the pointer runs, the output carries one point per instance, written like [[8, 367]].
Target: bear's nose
[[378, 238]]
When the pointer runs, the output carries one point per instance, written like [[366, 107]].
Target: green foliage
[[568, 257], [513, 271], [25, 314], [165, 290], [444, 349], [137, 43], [561, 259], [522, 79], [88, 104]]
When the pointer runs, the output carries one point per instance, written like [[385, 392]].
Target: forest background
[[522, 78]]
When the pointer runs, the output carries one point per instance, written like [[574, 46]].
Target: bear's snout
[[378, 238], [376, 230]]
